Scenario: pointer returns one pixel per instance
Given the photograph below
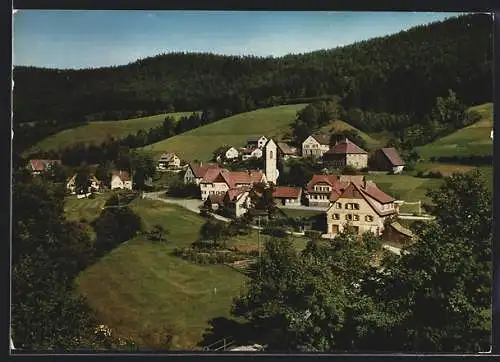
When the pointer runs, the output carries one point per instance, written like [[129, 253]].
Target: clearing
[[97, 132], [199, 143]]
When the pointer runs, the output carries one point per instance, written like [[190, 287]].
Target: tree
[[158, 234], [214, 230], [448, 269], [83, 180], [103, 173], [143, 168], [262, 197]]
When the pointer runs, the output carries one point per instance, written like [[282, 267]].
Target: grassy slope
[[472, 140], [139, 288], [201, 142], [371, 142], [99, 131]]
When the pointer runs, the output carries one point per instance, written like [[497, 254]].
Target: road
[[303, 207]]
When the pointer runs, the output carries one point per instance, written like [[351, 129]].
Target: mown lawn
[[140, 288], [98, 132], [296, 213], [199, 143], [473, 140]]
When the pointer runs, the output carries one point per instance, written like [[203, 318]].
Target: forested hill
[[401, 73]]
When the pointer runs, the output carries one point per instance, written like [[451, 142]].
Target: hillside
[[371, 142], [401, 73], [473, 140], [97, 132], [199, 143]]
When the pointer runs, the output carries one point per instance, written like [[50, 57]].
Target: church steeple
[[271, 161]]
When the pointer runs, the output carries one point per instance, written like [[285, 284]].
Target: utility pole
[[258, 243]]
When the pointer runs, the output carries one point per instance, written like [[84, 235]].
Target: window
[[348, 206], [356, 206], [270, 155], [356, 217], [369, 218], [348, 217], [336, 216], [339, 205]]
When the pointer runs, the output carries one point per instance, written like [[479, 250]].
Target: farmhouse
[[231, 153], [346, 153], [94, 184], [218, 182], [286, 151], [195, 172], [247, 153], [321, 190], [169, 160], [38, 166], [315, 145], [387, 159], [237, 201], [256, 142], [285, 195], [121, 180], [364, 206]]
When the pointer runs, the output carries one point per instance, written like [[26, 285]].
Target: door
[[334, 229]]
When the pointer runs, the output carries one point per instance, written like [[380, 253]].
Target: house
[[346, 153], [396, 233], [321, 190], [285, 195], [237, 201], [121, 180], [256, 142], [387, 159], [169, 160], [196, 171], [94, 184], [218, 182], [247, 153], [315, 145], [215, 201], [286, 151], [231, 153], [39, 166], [364, 206]]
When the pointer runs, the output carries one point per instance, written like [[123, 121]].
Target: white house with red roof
[[121, 180], [362, 205], [237, 201], [321, 190], [196, 172], [287, 196], [39, 166], [387, 159], [218, 182], [346, 153], [315, 145]]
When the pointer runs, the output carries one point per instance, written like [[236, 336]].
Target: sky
[[91, 38]]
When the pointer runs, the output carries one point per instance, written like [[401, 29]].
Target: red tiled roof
[[328, 179], [373, 191], [287, 192], [212, 175], [393, 156], [346, 147], [123, 175], [234, 178], [199, 170], [42, 165], [357, 179]]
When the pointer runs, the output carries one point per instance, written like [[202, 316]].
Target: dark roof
[[346, 147], [254, 138], [321, 138], [287, 192], [393, 156], [42, 165]]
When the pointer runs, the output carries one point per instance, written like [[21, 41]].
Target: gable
[[310, 141]]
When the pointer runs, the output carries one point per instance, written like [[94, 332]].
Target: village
[[343, 199]]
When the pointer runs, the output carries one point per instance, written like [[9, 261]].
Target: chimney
[[201, 163]]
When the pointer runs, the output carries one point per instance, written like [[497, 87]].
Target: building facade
[[315, 145], [387, 159], [346, 153]]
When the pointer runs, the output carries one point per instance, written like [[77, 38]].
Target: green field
[[296, 213], [139, 288], [371, 142], [473, 140], [98, 132], [199, 143]]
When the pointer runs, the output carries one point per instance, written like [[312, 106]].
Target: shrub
[[313, 234]]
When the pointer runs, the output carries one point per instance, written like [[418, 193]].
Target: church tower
[[271, 161]]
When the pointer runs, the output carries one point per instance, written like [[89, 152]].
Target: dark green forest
[[400, 74]]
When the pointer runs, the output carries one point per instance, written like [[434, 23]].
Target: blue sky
[[80, 39]]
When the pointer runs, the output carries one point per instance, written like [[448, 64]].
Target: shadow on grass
[[241, 333]]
